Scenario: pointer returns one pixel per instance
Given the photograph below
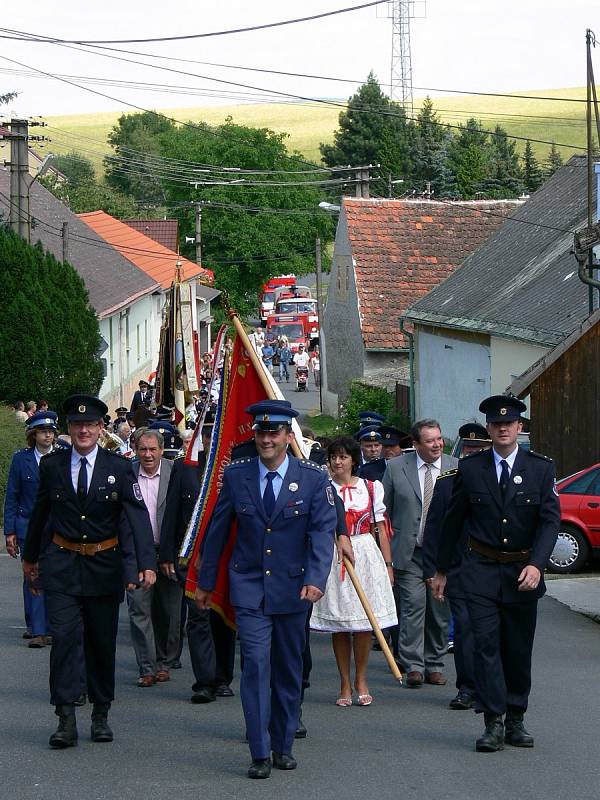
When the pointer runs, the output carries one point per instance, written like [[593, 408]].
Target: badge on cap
[[81, 409], [517, 479], [137, 492], [293, 487], [111, 479], [472, 436], [504, 411], [329, 492]]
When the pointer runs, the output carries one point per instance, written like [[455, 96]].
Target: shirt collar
[[281, 469], [144, 474], [510, 459], [91, 457], [436, 464]]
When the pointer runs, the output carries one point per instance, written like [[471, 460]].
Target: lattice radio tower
[[401, 87]]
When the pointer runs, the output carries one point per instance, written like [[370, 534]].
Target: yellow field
[[308, 125]]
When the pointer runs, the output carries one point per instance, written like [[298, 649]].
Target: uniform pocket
[[480, 498], [245, 508], [295, 511], [295, 571], [529, 499]]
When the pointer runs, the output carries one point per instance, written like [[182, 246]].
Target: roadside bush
[[363, 397]]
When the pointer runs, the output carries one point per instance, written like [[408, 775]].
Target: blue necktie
[[82, 479], [504, 478], [269, 494]]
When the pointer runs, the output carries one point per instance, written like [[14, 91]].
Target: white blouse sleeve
[[378, 502]]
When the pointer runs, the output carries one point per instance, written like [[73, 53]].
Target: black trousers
[[224, 638], [503, 639], [98, 619], [463, 645]]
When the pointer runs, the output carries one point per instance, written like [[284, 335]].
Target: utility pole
[[363, 177], [19, 171], [198, 211], [401, 87], [319, 318]]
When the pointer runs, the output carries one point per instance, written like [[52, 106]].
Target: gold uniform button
[[268, 552], [504, 541], [505, 521], [296, 512], [83, 516], [267, 572], [84, 536], [268, 530]]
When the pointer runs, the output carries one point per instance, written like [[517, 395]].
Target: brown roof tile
[[163, 231], [404, 248]]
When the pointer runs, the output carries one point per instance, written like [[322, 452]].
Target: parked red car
[[579, 496]]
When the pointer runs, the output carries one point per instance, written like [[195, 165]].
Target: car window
[[581, 484], [595, 487]]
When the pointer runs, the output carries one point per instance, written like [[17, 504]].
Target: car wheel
[[571, 551]]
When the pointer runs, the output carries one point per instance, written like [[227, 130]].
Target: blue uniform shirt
[[277, 480]]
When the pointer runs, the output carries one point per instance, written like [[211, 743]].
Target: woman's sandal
[[343, 702], [364, 699]]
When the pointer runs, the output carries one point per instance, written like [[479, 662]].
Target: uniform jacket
[[183, 491], [112, 491], [402, 498], [528, 518], [21, 490], [442, 492], [272, 558], [372, 470]]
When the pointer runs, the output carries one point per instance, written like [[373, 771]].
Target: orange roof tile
[[153, 258], [402, 249]]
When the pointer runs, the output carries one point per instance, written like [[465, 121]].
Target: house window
[[138, 342], [146, 338]]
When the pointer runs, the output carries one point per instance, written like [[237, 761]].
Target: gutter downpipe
[[411, 368]]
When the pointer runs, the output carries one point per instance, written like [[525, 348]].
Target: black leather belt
[[501, 556]]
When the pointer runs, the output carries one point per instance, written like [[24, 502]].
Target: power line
[[248, 29]]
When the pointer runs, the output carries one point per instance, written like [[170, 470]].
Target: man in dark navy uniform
[[505, 506], [474, 438], [74, 534], [142, 396], [286, 520], [393, 443]]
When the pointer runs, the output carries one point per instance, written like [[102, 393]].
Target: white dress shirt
[[510, 460], [76, 464], [436, 468], [277, 480]]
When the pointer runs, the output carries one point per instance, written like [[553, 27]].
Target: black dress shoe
[[100, 731], [81, 700], [284, 761], [260, 768], [205, 694], [515, 732], [66, 733], [493, 736], [301, 732], [223, 690], [176, 664], [462, 702]]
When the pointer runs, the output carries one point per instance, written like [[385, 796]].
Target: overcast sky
[[472, 45]]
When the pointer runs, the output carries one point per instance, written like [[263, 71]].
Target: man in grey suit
[[423, 624], [154, 614]]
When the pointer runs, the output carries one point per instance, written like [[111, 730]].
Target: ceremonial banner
[[240, 387]]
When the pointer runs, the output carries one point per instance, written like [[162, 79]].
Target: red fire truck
[[292, 326], [267, 295]]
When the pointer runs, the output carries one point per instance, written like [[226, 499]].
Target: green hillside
[[308, 125]]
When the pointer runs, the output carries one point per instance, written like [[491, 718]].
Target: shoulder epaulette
[[448, 473], [236, 462], [117, 455], [56, 451], [539, 455], [310, 464], [178, 458]]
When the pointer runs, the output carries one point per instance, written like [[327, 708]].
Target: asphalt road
[[406, 745]]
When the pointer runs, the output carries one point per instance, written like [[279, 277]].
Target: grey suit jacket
[[165, 475], [403, 503]]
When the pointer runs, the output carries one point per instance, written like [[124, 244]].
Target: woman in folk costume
[[339, 611]]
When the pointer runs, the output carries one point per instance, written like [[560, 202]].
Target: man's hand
[[31, 572], [202, 598], [167, 569], [12, 548], [147, 578], [529, 578], [437, 585], [311, 593], [344, 548]]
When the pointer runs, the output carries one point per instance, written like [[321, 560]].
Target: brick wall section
[[404, 248]]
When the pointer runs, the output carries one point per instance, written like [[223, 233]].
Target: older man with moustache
[[408, 484], [154, 615]]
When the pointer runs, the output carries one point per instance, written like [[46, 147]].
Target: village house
[[387, 255], [514, 299]]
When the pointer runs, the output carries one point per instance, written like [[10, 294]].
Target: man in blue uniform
[[21, 489], [504, 503], [474, 438], [286, 518], [73, 533]]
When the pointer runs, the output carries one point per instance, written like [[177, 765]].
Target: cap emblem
[[81, 409], [48, 421], [265, 418], [503, 411]]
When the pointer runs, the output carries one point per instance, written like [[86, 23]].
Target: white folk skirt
[[340, 610]]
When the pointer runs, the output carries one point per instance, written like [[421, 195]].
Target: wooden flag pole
[[259, 366]]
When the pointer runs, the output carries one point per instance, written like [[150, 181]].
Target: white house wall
[[453, 375], [510, 358]]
